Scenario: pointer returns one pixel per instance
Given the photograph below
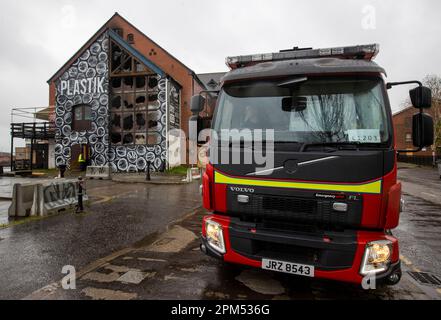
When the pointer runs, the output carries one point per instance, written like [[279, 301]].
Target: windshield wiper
[[292, 82], [335, 145]]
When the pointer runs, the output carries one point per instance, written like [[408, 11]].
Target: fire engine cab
[[327, 204]]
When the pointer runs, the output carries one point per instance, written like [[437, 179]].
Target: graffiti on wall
[[85, 82], [174, 107], [65, 192]]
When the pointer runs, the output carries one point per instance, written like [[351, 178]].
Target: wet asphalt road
[[174, 268], [32, 255]]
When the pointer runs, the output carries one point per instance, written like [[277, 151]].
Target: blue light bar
[[366, 52]]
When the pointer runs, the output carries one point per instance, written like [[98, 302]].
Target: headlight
[[215, 236], [376, 257]]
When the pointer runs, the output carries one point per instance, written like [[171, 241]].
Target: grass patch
[[22, 221], [181, 170], [45, 173]]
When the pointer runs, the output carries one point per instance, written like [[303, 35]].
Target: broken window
[[141, 139], [141, 121], [128, 138], [153, 138], [135, 116], [128, 122], [116, 103], [116, 138], [116, 84], [116, 122]]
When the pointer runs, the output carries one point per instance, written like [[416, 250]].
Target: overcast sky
[[37, 37]]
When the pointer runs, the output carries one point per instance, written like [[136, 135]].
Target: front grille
[[284, 204], [293, 206], [297, 247], [290, 209]]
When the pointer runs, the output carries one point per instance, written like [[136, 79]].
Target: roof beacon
[[366, 52]]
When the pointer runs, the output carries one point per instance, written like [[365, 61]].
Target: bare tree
[[328, 114], [434, 83]]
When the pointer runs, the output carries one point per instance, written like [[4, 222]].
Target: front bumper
[[334, 256]]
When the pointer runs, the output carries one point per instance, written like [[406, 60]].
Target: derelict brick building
[[117, 99]]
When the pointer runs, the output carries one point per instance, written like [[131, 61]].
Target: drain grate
[[426, 278]]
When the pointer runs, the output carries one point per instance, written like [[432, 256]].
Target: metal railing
[[36, 130]]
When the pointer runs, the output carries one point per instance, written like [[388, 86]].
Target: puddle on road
[[173, 241], [260, 282]]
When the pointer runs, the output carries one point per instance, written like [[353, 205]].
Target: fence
[[418, 160]]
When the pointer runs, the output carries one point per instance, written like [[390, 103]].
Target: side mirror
[[197, 125], [421, 97], [197, 104], [422, 130]]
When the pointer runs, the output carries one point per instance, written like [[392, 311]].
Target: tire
[[388, 282]]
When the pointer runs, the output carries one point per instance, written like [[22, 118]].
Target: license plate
[[288, 267]]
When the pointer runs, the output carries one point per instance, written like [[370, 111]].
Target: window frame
[[129, 94], [84, 124]]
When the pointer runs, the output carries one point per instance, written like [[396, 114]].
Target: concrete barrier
[[55, 196], [22, 200], [102, 173]]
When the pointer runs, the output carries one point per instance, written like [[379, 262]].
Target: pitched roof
[[211, 80], [402, 110], [103, 29], [120, 41]]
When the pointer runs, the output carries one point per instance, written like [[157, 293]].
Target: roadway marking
[[406, 261], [409, 263], [103, 200]]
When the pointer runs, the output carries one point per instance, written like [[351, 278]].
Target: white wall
[[51, 159]]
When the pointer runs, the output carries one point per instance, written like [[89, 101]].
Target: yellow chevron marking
[[372, 187]]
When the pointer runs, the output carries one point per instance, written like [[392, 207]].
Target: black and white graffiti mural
[[85, 82], [174, 104]]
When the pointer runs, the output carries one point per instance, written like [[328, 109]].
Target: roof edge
[[138, 55], [191, 72], [402, 110]]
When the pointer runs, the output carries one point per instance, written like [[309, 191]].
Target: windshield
[[344, 110]]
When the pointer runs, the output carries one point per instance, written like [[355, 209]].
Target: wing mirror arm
[[422, 127], [390, 85]]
